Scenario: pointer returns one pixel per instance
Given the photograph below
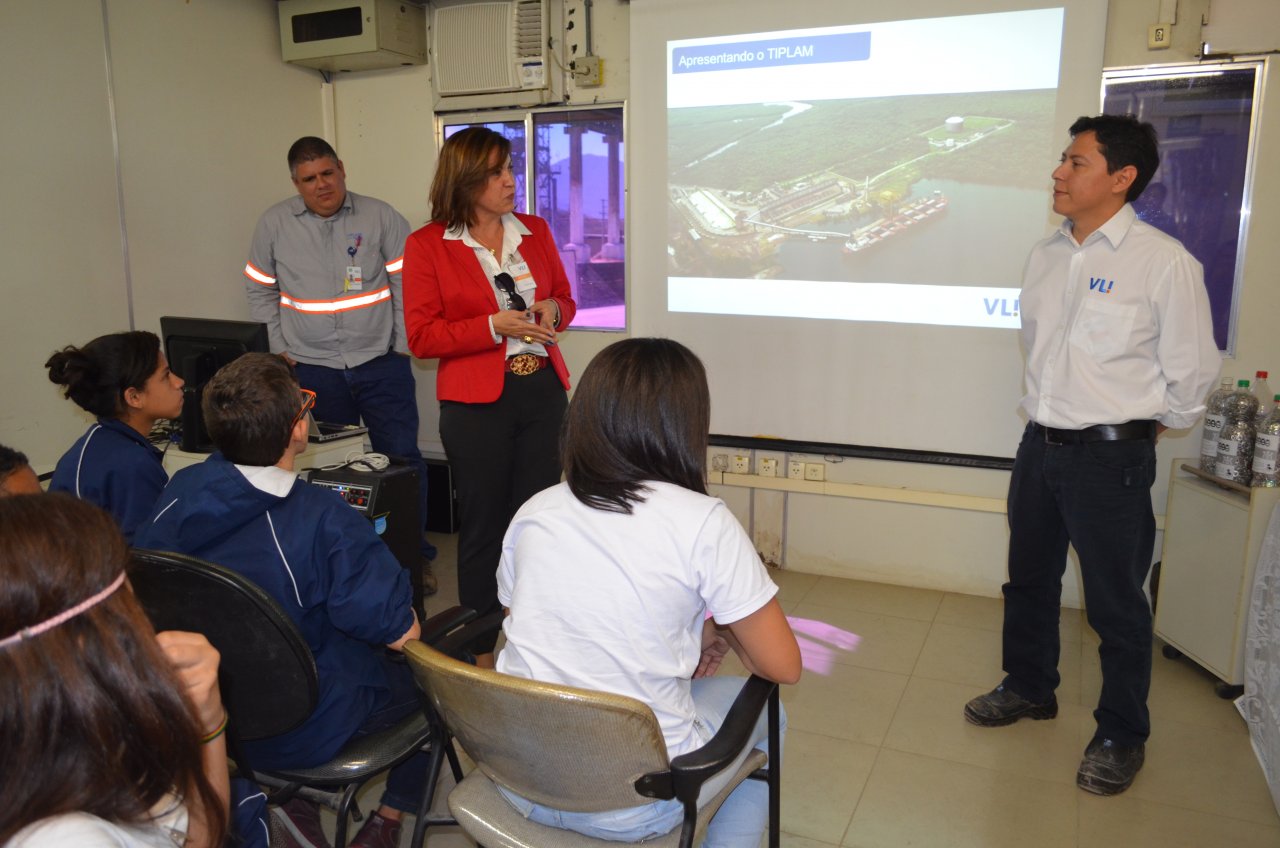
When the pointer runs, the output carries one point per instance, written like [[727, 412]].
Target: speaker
[[389, 499]]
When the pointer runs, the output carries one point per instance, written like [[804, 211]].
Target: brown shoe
[[300, 819], [430, 585], [378, 832]]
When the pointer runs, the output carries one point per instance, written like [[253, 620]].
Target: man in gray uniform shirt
[[324, 276]]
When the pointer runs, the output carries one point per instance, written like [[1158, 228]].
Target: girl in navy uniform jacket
[[125, 381]]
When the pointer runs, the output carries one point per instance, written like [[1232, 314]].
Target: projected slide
[[865, 173]]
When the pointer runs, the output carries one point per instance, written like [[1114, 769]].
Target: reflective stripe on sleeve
[[394, 266], [257, 276], [340, 304]]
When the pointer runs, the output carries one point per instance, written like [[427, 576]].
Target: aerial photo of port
[[897, 189]]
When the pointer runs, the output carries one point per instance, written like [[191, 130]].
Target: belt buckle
[[522, 364], [1051, 439]]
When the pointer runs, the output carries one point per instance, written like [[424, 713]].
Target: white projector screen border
[[919, 385]]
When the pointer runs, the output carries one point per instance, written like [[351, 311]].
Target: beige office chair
[[582, 751]]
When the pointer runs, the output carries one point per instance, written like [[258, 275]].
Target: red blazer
[[448, 299]]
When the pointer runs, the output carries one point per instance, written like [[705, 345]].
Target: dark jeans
[[1097, 496], [381, 392], [501, 454], [407, 781]]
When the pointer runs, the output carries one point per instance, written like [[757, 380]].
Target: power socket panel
[[741, 465], [768, 466], [795, 470], [720, 462], [815, 471]]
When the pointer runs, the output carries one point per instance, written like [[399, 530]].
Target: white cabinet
[[1212, 534]]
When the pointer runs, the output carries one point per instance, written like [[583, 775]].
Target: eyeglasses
[[507, 286], [308, 401]]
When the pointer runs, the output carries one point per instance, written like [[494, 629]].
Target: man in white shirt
[[1119, 345]]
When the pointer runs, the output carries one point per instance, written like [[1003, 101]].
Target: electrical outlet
[[795, 470], [769, 466], [1159, 37], [720, 462], [741, 465], [588, 71], [814, 471]]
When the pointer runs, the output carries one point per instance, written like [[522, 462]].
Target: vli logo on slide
[[1100, 285], [1001, 304]]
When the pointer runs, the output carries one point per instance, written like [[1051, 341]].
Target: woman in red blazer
[[485, 293]]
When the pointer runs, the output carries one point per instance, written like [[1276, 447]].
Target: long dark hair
[[96, 376], [462, 170], [641, 411], [92, 718]]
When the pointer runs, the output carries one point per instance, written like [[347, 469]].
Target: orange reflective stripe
[[257, 276], [341, 304], [394, 266]]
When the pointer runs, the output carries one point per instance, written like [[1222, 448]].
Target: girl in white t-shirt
[[101, 719], [664, 579]]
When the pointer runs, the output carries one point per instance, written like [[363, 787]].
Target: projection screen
[[832, 206]]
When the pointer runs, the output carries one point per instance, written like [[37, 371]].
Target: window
[[1204, 115], [576, 169]]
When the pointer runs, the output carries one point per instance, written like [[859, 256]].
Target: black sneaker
[[1000, 707], [1108, 768]]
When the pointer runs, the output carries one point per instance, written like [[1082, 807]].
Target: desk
[[315, 456]]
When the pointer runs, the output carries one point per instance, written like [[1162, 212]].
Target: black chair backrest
[[268, 675]]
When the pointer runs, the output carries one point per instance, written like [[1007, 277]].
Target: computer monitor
[[197, 348]]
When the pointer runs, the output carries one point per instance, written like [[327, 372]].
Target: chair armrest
[[689, 771], [435, 627], [453, 644]]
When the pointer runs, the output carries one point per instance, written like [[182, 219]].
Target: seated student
[[244, 508], [125, 381], [648, 554], [102, 720], [16, 475]]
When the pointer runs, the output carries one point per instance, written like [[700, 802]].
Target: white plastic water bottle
[[1235, 442], [1266, 448], [1263, 393], [1215, 418]]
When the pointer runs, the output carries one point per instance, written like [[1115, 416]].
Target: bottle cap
[[1261, 375], [1244, 384]]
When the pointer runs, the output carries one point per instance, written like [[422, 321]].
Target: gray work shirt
[[328, 289]]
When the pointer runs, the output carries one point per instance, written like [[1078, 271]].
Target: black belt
[[1129, 430]]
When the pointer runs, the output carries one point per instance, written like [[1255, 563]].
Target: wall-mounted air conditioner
[[484, 48], [352, 35]]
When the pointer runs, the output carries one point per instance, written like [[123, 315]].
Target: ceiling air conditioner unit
[[352, 35], [489, 47]]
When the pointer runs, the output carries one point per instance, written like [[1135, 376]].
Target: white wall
[[205, 112]]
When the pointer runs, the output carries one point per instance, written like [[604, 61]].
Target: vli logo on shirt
[[1100, 285]]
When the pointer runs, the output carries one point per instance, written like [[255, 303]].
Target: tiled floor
[[879, 756]]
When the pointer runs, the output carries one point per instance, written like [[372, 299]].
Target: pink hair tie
[[50, 623]]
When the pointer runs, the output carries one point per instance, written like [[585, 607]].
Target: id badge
[[355, 279], [525, 283]]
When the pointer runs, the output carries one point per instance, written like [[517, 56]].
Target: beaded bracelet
[[218, 731]]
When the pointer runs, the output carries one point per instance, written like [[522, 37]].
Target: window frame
[[527, 117]]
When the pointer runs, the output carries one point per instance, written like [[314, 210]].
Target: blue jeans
[[382, 393], [1097, 497], [741, 819], [407, 781]]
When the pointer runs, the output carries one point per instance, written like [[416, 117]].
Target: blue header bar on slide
[[775, 52]]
